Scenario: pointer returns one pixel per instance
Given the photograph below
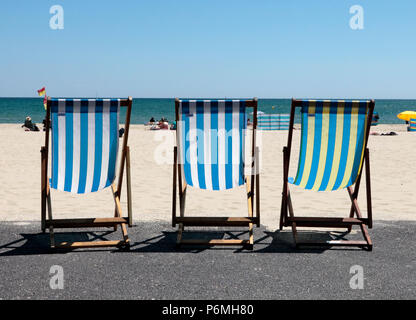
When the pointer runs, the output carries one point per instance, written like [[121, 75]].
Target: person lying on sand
[[160, 126], [391, 133]]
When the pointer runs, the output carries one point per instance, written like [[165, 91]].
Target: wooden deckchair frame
[[287, 216], [118, 219], [252, 183]]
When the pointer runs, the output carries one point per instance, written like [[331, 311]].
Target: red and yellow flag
[[42, 92]]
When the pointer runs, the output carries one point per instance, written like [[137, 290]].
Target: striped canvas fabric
[[84, 144], [332, 144], [211, 138], [273, 122], [412, 125]]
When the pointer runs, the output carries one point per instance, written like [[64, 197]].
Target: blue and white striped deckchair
[[412, 125], [333, 148], [84, 148], [84, 144], [210, 155], [273, 122]]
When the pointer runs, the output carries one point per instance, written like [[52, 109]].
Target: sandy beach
[[392, 169]]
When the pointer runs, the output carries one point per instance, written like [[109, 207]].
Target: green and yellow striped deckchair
[[333, 148]]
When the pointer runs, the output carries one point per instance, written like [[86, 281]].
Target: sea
[[15, 110]]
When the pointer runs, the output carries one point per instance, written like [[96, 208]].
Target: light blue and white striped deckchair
[[273, 122], [210, 155], [333, 148], [84, 147]]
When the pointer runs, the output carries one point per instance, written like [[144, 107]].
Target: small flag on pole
[[42, 92]]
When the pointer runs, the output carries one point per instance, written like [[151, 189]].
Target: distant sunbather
[[164, 125], [29, 126], [391, 133]]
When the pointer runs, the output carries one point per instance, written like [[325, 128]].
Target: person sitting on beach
[[44, 124], [28, 123], [151, 122], [121, 132], [164, 124], [29, 126], [375, 119]]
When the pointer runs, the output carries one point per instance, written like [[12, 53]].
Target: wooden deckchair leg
[[368, 189], [284, 204], [355, 196], [175, 154], [182, 200], [363, 227], [182, 197], [43, 188], [357, 211], [283, 207], [366, 236], [292, 215], [129, 196], [252, 187], [257, 187], [181, 228], [250, 212], [180, 233], [182, 204], [286, 199], [177, 178], [119, 215], [182, 186], [249, 197], [251, 237], [51, 231], [120, 180], [123, 159]]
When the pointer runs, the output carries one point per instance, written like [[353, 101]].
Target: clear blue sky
[[210, 48]]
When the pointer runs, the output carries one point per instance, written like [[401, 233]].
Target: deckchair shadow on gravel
[[85, 139], [209, 154], [333, 151]]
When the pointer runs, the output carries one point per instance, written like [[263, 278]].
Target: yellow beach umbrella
[[407, 115]]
